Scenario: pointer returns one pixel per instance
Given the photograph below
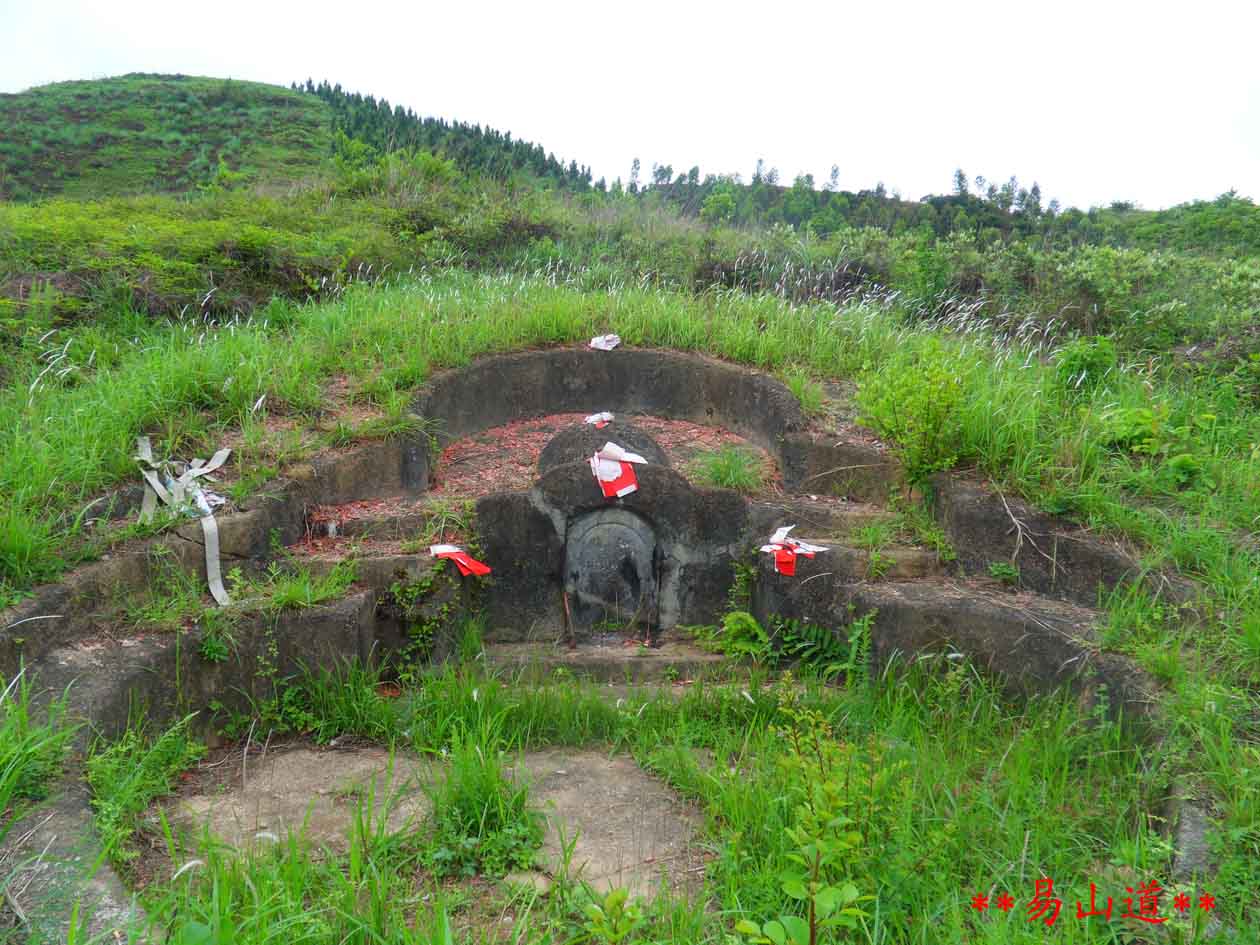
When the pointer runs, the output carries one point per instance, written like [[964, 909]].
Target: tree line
[[975, 207]]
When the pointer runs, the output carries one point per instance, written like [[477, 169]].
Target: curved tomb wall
[[497, 390]]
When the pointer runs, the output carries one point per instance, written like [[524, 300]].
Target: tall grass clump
[[730, 467], [481, 815], [127, 775], [293, 890], [33, 746]]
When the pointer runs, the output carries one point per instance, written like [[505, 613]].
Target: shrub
[[742, 635], [1084, 363], [915, 399]]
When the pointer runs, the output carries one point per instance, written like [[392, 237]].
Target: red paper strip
[[465, 562], [625, 483], [785, 558]]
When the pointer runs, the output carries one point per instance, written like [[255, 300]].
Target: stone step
[[389, 519], [406, 518], [611, 659]]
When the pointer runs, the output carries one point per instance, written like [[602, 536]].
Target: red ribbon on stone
[[466, 563], [786, 549], [614, 470]]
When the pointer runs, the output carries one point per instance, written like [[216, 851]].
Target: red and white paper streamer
[[466, 563], [614, 470], [786, 549], [600, 420]]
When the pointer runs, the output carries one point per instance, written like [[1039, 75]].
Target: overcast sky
[[1147, 101]]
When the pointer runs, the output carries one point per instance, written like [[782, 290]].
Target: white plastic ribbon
[[176, 485]]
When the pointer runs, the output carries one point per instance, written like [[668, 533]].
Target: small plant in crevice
[[426, 616], [481, 819], [916, 522], [445, 520], [741, 636], [1004, 571], [614, 918], [291, 587], [739, 595], [342, 434], [873, 538], [730, 467], [878, 564], [807, 391], [217, 640], [175, 595]]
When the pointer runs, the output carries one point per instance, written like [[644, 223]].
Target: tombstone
[[611, 567]]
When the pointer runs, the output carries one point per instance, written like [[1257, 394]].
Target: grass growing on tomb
[[807, 390], [1113, 455], [730, 467]]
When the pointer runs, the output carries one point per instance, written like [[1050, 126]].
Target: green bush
[[914, 399], [1084, 363], [742, 635]]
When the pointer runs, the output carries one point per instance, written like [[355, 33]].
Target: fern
[[827, 652]]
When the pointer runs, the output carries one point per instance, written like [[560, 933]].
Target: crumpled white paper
[[600, 420], [605, 342], [781, 539]]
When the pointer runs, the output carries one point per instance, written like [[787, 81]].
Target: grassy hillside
[[144, 133]]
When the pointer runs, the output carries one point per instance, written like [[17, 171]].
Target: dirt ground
[[505, 458]]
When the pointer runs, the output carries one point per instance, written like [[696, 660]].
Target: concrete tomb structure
[[574, 574]]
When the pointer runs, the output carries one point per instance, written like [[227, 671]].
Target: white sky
[[1151, 101]]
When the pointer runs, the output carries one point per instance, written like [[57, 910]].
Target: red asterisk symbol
[[1207, 901], [979, 902], [1181, 902], [1005, 902]]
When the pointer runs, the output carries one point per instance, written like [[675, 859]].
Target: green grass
[[959, 792], [126, 776], [33, 746], [288, 588], [808, 391], [730, 467], [482, 820]]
